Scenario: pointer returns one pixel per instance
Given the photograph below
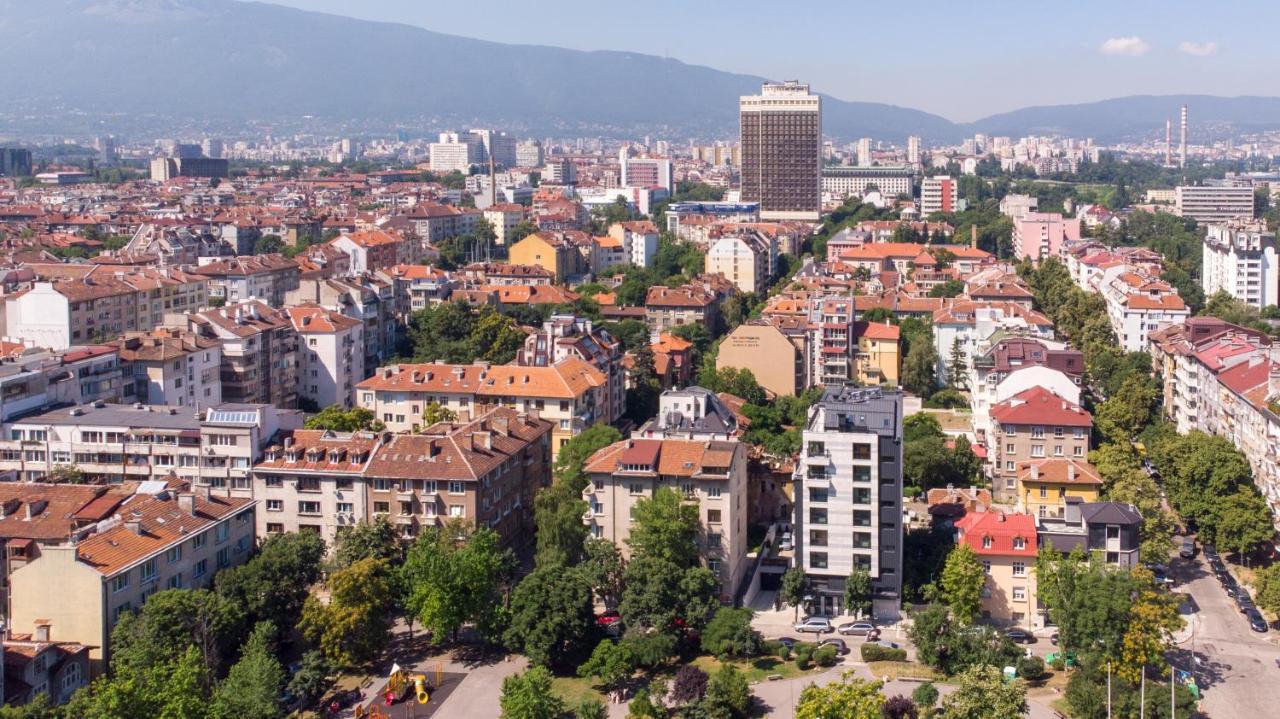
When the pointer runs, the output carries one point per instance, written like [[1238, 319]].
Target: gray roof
[[1109, 513], [118, 415]]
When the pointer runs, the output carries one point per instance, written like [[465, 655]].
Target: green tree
[[919, 369], [529, 696], [437, 412], [575, 452], [561, 534], [552, 617], [849, 698], [727, 693], [1136, 487], [958, 366], [792, 588], [857, 593], [355, 625], [660, 592], [376, 539], [268, 245], [452, 576], [312, 678], [1243, 522], [603, 570], [730, 632], [252, 687], [273, 585], [922, 425], [984, 694], [1126, 413], [611, 662], [590, 708], [962, 581], [172, 621], [341, 419], [1088, 600], [1266, 583], [66, 474], [1153, 617], [167, 690], [665, 527], [925, 696]]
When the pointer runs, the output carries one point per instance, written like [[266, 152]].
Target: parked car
[[785, 544], [608, 618], [888, 644], [1210, 552], [1244, 601], [1020, 636], [1231, 588], [841, 647], [1256, 622], [857, 629], [1053, 639], [1188, 548], [816, 625], [788, 642]]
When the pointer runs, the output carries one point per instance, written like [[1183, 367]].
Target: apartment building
[[484, 471], [692, 413], [1033, 424], [1037, 235], [259, 351], [36, 665], [1239, 258], [416, 287], [552, 251], [781, 140], [1008, 366], [848, 497], [1006, 544], [639, 241], [666, 308], [171, 366], [330, 355], [712, 474], [163, 537], [313, 481], [1046, 485], [1213, 203], [939, 193], [973, 325], [504, 217], [1138, 305], [571, 394], [433, 222], [1110, 531], [777, 361], [263, 277], [847, 181], [748, 260], [113, 443], [369, 298], [566, 336], [372, 250], [36, 379]]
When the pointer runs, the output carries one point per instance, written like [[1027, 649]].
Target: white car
[[785, 544], [817, 625]]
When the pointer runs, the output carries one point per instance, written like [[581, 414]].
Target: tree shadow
[[1208, 672]]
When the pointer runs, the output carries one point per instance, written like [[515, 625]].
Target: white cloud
[[1132, 45], [1199, 49]]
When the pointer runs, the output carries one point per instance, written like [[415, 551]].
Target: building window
[[1008, 466], [986, 542], [381, 507], [1077, 451], [175, 582], [1019, 569], [275, 505], [1057, 450], [200, 540], [713, 516], [861, 450], [308, 508], [818, 560], [713, 493], [1044, 492], [457, 510], [224, 557], [1019, 594], [986, 566], [1037, 450], [456, 487], [346, 508], [120, 583], [174, 554], [1019, 543], [275, 482], [274, 528]]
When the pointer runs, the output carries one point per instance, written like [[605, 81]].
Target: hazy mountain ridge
[[233, 60]]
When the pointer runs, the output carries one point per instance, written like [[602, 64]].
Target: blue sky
[[959, 60]]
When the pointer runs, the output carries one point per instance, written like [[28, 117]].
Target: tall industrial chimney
[[1182, 158], [1168, 142]]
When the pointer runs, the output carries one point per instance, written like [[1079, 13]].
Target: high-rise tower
[[781, 133]]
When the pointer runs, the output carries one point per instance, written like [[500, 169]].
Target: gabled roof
[[1040, 406], [993, 533]]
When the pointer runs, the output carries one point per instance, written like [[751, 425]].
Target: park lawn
[[756, 670], [898, 670], [574, 689]]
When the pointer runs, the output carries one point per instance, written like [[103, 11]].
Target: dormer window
[[986, 542], [1019, 543]]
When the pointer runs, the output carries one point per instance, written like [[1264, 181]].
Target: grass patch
[[899, 670], [574, 689], [1061, 706], [756, 670]]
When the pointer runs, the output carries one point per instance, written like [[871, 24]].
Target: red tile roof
[[993, 533], [1039, 406]]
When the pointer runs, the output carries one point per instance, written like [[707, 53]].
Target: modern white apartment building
[[938, 194], [845, 181], [330, 355], [1240, 259], [848, 497], [913, 150], [747, 260], [1214, 203]]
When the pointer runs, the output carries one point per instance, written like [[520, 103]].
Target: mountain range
[[229, 61]]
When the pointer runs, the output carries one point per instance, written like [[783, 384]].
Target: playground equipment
[[420, 688]]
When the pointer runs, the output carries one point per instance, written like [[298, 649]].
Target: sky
[[963, 61]]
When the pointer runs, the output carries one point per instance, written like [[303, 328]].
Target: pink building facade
[[1041, 234]]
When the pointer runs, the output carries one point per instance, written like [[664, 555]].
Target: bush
[[912, 491], [804, 655], [1059, 663], [777, 649], [872, 652], [925, 695], [825, 656], [1031, 668]]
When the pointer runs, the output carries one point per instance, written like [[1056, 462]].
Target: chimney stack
[[1182, 158], [973, 236], [1168, 142], [187, 503], [42, 630]]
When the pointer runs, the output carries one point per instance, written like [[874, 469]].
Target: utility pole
[[1142, 696], [1108, 690]]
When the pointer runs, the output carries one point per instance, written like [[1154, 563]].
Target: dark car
[[1210, 552], [1188, 548], [841, 647], [787, 642], [1256, 622], [1231, 588], [1020, 636], [1244, 601], [1053, 639]]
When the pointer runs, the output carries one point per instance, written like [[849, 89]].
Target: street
[[1234, 666]]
